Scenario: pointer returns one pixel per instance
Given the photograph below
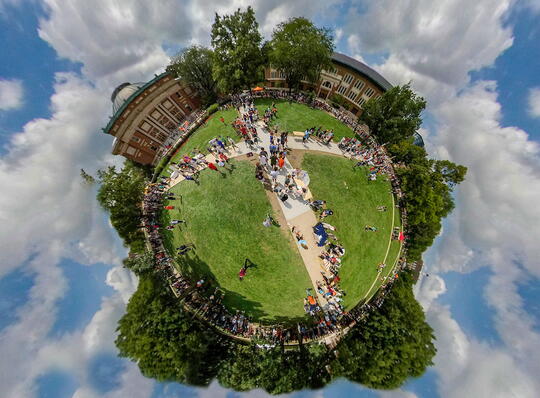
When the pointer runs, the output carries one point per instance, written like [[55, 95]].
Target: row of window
[[276, 74]]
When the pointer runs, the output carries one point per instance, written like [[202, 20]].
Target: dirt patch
[[279, 216], [296, 156]]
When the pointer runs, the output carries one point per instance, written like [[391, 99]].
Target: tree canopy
[[238, 59], [300, 50], [121, 194], [140, 262], [427, 185], [391, 345], [194, 66], [395, 115], [167, 343]]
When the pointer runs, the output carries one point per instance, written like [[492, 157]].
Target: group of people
[[324, 136], [329, 316]]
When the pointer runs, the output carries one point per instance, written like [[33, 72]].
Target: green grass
[[210, 129], [354, 200], [224, 220], [299, 117]]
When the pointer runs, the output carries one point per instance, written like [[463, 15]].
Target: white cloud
[[467, 367], [493, 226], [46, 206], [434, 44], [11, 94], [534, 102]]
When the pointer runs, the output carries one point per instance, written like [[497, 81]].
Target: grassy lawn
[[210, 129], [354, 200], [298, 117], [224, 220]]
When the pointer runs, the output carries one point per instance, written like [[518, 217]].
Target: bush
[[160, 166], [212, 109]]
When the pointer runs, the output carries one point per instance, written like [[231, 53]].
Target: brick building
[[353, 80], [147, 115]]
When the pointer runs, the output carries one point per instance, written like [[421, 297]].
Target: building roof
[[124, 94], [418, 140], [363, 69]]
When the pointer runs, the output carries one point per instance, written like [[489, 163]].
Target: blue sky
[[62, 287]]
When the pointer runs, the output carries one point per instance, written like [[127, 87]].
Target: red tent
[[401, 236]]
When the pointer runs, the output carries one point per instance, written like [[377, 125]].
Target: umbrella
[[258, 88], [401, 236]]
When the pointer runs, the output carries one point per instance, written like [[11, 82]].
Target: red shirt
[[212, 166]]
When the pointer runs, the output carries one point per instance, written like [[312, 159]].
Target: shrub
[[161, 165], [212, 109]]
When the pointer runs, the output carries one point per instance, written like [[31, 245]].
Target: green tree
[[193, 66], [87, 178], [167, 343], [391, 345], [275, 370], [428, 186], [395, 115], [300, 50], [140, 262], [238, 59], [121, 194]]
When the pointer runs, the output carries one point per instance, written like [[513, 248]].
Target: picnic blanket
[[322, 236]]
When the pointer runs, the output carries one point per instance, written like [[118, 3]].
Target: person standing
[[263, 160], [273, 160], [281, 162], [274, 174]]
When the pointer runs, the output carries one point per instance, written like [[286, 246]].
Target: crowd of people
[[206, 301]]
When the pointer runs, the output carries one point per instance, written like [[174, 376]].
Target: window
[[327, 84], [348, 79], [342, 89], [135, 139], [130, 150], [282, 75], [369, 92], [351, 95], [361, 101], [273, 74], [359, 84]]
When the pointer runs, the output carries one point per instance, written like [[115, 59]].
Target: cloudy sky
[[62, 288]]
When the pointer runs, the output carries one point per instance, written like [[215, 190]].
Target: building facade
[[146, 116], [351, 79]]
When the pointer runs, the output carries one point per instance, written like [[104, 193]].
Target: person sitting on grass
[[370, 228], [317, 204], [326, 213], [183, 249]]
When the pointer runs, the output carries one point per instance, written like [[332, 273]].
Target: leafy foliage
[[121, 193], [212, 109], [194, 66], [140, 262], [392, 344], [275, 370], [394, 116], [87, 178], [300, 50], [428, 186], [166, 342], [238, 59]]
